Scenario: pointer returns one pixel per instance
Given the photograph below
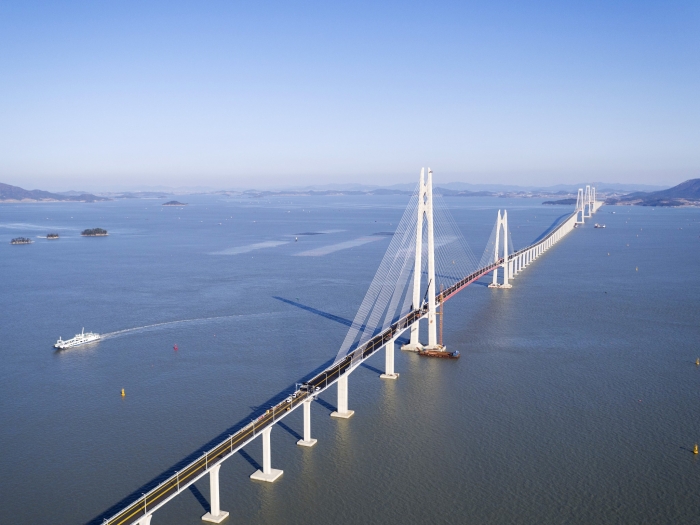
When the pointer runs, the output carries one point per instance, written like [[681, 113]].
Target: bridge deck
[[182, 479]]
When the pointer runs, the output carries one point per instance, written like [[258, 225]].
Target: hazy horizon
[[295, 94]]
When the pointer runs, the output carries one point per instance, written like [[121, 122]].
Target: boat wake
[[127, 331]]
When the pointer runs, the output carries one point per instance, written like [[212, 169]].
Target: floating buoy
[[695, 449], [175, 348], [636, 269], [697, 361], [123, 393]]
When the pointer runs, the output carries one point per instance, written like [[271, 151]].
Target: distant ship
[[599, 225], [79, 339]]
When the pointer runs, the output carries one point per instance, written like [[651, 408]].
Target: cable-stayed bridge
[[427, 262]]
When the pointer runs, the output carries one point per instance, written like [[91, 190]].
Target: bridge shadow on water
[[336, 318], [326, 405], [257, 411], [557, 222], [249, 459], [200, 498], [293, 432], [370, 367]]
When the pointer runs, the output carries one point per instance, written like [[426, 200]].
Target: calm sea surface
[[576, 399]]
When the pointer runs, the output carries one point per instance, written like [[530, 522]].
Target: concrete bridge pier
[[389, 361], [343, 411], [307, 441], [146, 520], [215, 515], [267, 473]]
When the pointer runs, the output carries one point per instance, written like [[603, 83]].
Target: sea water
[[575, 400]]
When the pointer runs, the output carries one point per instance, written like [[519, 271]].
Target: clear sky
[[256, 94]]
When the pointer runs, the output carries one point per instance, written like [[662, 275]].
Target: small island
[[174, 203], [52, 236], [21, 240], [568, 202], [94, 232]]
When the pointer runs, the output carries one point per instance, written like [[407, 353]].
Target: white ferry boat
[[79, 339]]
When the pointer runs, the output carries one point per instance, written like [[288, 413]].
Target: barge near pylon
[[439, 353]]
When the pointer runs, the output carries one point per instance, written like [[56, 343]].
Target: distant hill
[[685, 194], [17, 194], [568, 202]]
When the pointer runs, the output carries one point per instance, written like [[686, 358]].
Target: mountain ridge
[[9, 193]]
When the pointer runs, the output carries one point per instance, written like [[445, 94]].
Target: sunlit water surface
[[575, 401]]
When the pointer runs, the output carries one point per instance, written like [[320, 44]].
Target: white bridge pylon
[[586, 204], [514, 263], [502, 224], [392, 305], [425, 213]]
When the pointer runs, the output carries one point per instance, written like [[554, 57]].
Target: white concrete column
[[389, 361], [343, 411], [146, 520], [432, 317], [215, 515], [307, 441], [268, 473], [414, 343], [494, 284], [506, 270]]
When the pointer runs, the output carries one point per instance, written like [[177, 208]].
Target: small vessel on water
[[599, 225], [439, 353], [79, 339]]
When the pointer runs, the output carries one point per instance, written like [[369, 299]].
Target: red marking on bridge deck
[[467, 284]]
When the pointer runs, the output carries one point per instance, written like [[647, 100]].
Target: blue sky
[[97, 95]]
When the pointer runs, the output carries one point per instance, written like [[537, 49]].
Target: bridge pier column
[[389, 361], [267, 473], [215, 515], [146, 520], [307, 441], [343, 411], [414, 345]]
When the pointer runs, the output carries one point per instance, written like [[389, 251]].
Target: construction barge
[[444, 354]]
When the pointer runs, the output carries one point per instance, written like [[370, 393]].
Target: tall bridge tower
[[425, 214], [501, 223]]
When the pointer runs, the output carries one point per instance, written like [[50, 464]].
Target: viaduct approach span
[[426, 248]]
